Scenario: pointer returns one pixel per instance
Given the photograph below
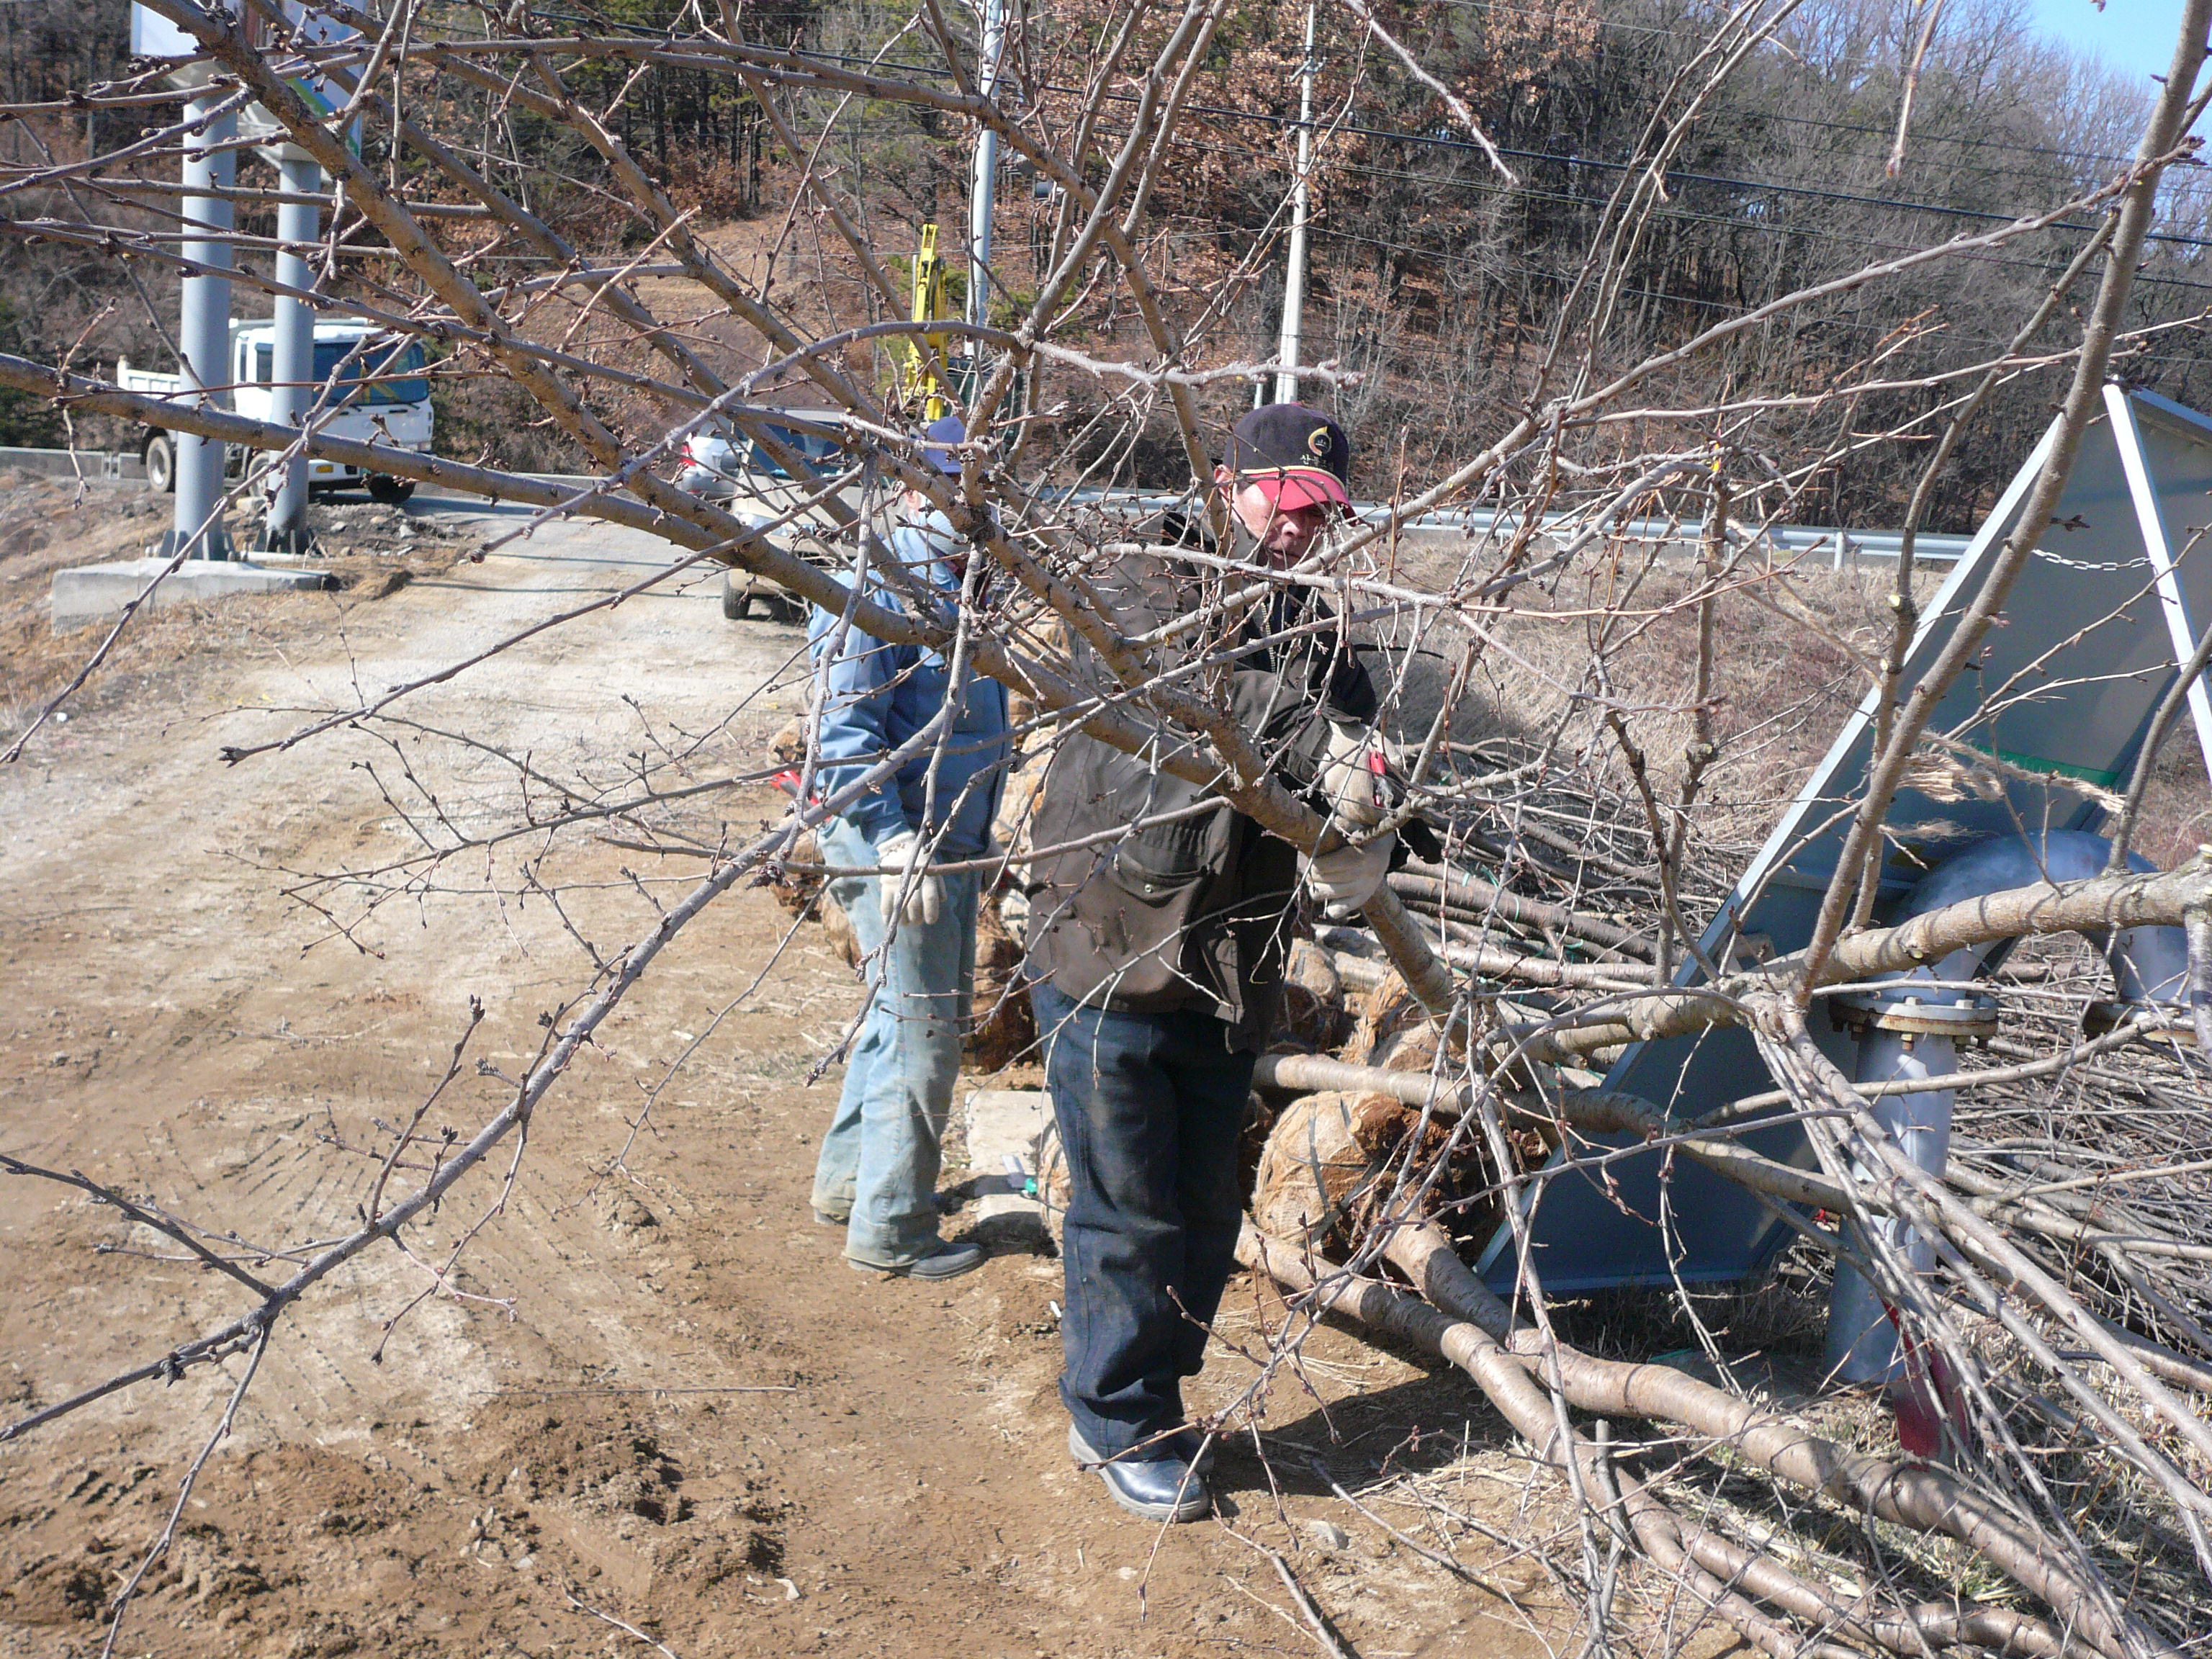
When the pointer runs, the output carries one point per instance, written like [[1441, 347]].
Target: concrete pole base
[[291, 541], [213, 542]]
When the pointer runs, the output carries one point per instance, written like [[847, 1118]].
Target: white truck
[[393, 407]]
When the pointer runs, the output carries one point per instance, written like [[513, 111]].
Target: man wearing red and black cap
[[1287, 475], [1156, 954]]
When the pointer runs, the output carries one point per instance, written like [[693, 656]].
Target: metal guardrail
[[1842, 547], [104, 466]]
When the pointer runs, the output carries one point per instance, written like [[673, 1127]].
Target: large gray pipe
[[1862, 1340], [204, 326], [2148, 964], [1904, 1040], [293, 370]]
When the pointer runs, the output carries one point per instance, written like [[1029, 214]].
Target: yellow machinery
[[922, 384]]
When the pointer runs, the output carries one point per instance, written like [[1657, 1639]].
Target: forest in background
[[1445, 286]]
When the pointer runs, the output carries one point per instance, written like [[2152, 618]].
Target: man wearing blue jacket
[[877, 1177]]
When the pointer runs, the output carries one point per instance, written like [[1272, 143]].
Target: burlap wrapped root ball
[[1394, 1033], [1312, 1020], [1326, 1166], [1001, 1028], [1333, 1163]]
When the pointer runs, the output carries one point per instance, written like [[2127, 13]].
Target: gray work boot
[[947, 1261]]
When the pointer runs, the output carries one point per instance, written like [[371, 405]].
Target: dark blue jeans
[[1149, 1106]]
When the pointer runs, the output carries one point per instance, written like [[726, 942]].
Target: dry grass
[[48, 525], [1794, 645]]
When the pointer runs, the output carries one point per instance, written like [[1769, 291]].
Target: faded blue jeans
[[880, 1161]]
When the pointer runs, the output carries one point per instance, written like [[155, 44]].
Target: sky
[[2135, 37]]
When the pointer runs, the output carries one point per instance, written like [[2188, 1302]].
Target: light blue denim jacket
[[875, 696]]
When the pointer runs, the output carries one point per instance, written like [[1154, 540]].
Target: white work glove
[[903, 895], [1353, 781], [1347, 879]]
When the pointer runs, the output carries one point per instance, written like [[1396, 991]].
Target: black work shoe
[[1159, 1488], [1194, 1447], [946, 1261]]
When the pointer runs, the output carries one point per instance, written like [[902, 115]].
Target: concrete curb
[[93, 593], [1004, 1123]]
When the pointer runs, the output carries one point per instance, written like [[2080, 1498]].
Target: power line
[[1683, 214], [1526, 193], [1465, 147]]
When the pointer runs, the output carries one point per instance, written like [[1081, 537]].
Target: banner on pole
[[156, 36]]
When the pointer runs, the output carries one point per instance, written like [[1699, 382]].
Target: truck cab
[[368, 385], [721, 463]]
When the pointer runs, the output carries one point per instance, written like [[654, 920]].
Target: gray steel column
[[1294, 275], [293, 371], [982, 194], [203, 324]]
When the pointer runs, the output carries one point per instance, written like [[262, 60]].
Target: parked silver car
[[724, 465]]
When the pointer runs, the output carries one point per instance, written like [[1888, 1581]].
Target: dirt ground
[[655, 1394]]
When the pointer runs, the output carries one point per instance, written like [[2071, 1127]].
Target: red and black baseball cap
[[1297, 455]]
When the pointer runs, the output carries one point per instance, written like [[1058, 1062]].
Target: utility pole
[[982, 195], [204, 305], [203, 324], [1294, 275], [292, 373]]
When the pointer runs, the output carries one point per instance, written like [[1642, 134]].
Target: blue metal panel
[[2065, 687]]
